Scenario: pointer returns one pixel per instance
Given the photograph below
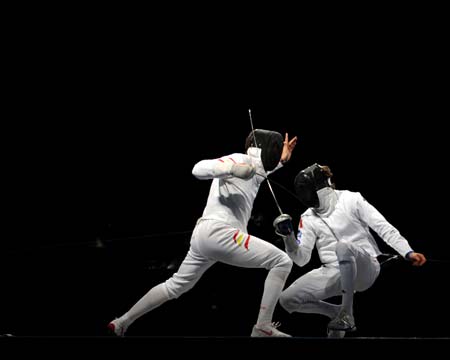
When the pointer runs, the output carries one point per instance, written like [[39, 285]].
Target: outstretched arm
[[377, 222], [389, 233]]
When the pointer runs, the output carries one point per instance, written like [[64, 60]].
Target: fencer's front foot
[[342, 322], [117, 328], [268, 330]]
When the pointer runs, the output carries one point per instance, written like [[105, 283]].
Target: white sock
[[155, 297], [348, 275], [273, 286]]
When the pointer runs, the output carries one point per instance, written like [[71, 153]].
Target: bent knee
[[285, 263], [292, 303]]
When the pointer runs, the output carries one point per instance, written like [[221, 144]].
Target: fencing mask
[[271, 145], [308, 181]]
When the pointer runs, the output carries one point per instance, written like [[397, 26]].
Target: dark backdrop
[[100, 200]]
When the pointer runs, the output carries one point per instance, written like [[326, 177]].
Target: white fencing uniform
[[221, 233], [348, 224]]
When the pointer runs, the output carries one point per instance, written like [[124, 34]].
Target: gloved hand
[[243, 171], [283, 227]]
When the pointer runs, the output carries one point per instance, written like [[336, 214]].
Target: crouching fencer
[[337, 222], [221, 235]]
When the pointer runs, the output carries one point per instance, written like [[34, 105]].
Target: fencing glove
[[283, 227]]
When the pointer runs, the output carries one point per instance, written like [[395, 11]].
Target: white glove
[[243, 171], [283, 227]]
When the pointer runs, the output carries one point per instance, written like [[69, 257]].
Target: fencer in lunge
[[221, 235], [337, 223]]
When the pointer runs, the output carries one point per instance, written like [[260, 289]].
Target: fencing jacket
[[350, 221], [230, 198]]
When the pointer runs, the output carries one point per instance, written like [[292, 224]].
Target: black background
[[106, 120]]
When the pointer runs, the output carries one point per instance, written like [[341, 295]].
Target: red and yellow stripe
[[239, 237]]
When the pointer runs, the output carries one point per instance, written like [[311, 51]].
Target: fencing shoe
[[342, 322], [268, 330]]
